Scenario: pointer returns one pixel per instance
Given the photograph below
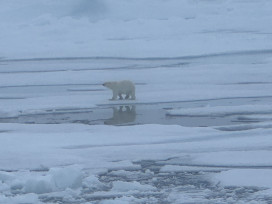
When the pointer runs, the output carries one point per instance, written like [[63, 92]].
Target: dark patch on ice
[[11, 98], [82, 90], [126, 39], [67, 86], [237, 31], [40, 169], [222, 54], [131, 67], [244, 127], [53, 199], [4, 131], [248, 83], [221, 166], [48, 85]]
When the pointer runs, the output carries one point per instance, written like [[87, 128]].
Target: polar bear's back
[[125, 85]]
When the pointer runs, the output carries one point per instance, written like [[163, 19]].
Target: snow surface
[[193, 59], [134, 28], [246, 177]]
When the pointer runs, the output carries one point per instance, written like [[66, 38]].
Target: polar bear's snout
[[107, 84]]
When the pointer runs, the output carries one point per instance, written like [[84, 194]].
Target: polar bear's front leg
[[114, 95]]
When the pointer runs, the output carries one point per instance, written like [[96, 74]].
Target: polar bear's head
[[109, 84]]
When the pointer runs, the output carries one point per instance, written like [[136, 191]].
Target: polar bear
[[121, 87]]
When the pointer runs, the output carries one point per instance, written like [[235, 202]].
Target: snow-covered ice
[[134, 28], [199, 131], [246, 177]]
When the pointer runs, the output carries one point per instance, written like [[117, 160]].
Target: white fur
[[121, 87]]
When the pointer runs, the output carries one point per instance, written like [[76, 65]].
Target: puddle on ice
[[149, 113]]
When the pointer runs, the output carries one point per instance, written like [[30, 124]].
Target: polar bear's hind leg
[[133, 95], [127, 96], [120, 96]]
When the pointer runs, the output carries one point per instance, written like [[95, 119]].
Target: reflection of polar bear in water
[[122, 116], [121, 87]]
